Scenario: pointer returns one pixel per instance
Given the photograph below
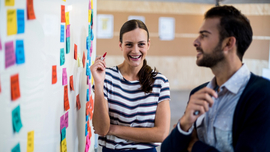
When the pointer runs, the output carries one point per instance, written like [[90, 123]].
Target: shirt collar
[[239, 78]]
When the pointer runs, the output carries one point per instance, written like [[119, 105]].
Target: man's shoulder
[[258, 84]]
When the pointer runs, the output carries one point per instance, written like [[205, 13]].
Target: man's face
[[208, 45]]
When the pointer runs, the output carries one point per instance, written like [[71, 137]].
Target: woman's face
[[134, 47]]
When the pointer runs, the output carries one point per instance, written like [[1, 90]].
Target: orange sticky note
[[54, 74], [71, 82], [11, 22], [15, 87], [75, 51], [66, 102], [87, 110], [91, 103], [30, 10], [83, 59], [63, 17], [78, 102]]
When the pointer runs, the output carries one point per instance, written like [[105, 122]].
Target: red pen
[[103, 57]]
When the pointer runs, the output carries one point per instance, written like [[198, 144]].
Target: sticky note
[[66, 102], [67, 18], [15, 87], [87, 80], [91, 103], [9, 54], [92, 6], [68, 45], [64, 76], [86, 118], [78, 102], [87, 108], [89, 5], [30, 141], [87, 69], [79, 60], [62, 56], [75, 51], [16, 148], [20, 21], [91, 48], [11, 22], [66, 119], [0, 45], [71, 82], [30, 10], [62, 34], [89, 15], [16, 119], [86, 132], [62, 123], [20, 52], [87, 95], [83, 59], [54, 74], [63, 20], [68, 31], [87, 42], [64, 145], [9, 3], [63, 133]]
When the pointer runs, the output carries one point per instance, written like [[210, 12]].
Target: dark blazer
[[251, 122]]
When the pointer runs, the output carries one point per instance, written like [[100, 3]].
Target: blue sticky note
[[87, 43], [20, 52], [86, 132], [63, 133], [62, 56], [87, 69], [68, 45], [16, 119], [89, 30], [16, 148], [20, 21], [87, 95], [62, 34], [92, 35], [87, 117]]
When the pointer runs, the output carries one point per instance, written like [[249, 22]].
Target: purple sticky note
[[68, 31], [9, 54], [62, 122], [64, 77], [90, 5], [0, 45], [87, 79], [89, 89], [66, 119]]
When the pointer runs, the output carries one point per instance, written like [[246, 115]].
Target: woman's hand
[[98, 71]]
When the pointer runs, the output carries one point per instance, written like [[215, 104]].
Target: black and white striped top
[[130, 106]]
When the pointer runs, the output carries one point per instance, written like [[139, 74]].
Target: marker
[[103, 57]]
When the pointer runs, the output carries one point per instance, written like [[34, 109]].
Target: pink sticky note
[[0, 45], [10, 58], [91, 48], [64, 77], [68, 31], [87, 79], [62, 122], [66, 119], [90, 5], [89, 89]]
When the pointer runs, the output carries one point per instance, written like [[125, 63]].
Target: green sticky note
[[16, 119], [16, 148], [62, 56], [68, 45], [63, 134]]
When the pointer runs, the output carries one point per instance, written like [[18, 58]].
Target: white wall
[[41, 102]]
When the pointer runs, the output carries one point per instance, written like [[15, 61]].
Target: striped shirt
[[130, 106]]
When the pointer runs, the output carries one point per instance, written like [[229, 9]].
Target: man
[[235, 116]]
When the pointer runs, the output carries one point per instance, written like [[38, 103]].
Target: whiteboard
[[41, 102]]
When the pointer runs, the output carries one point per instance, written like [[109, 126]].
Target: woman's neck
[[129, 72]]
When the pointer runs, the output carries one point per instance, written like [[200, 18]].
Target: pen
[[103, 57]]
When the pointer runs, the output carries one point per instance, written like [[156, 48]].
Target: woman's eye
[[141, 44], [128, 44]]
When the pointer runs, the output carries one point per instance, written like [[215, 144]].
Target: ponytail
[[146, 77]]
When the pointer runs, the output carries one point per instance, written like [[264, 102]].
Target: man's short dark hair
[[233, 23]]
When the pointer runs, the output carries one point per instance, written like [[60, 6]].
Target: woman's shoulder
[[112, 69], [161, 77]]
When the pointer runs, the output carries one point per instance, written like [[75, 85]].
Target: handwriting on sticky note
[[78, 102], [66, 101], [30, 141], [15, 87], [62, 122], [16, 148], [11, 22], [66, 119], [20, 21], [30, 10], [64, 77], [63, 20], [54, 74], [68, 31], [62, 56], [20, 52], [9, 3], [75, 51], [16, 119], [89, 16], [62, 34], [64, 145], [68, 45], [63, 133], [9, 54], [71, 82]]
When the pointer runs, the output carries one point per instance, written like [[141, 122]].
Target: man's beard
[[210, 60]]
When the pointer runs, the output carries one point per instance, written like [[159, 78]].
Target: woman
[[131, 109]]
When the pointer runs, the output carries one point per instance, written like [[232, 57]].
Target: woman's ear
[[148, 43]]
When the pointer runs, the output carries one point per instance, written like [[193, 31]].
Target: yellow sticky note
[[64, 0], [89, 16], [11, 22], [92, 6], [92, 79], [64, 145], [67, 19], [9, 2], [79, 60], [30, 141]]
